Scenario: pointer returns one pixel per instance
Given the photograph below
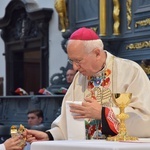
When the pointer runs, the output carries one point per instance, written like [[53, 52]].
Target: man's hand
[[34, 135], [90, 108], [13, 143]]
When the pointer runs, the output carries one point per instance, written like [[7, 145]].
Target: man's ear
[[40, 119], [97, 52]]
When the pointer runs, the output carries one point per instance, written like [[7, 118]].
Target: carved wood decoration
[[13, 111], [116, 17], [129, 13], [102, 17], [26, 46], [61, 8]]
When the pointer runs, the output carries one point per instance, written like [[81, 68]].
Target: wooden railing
[[13, 110], [1, 86]]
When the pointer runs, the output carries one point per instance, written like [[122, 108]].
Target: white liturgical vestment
[[127, 77]]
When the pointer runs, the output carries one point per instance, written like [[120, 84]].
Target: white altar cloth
[[142, 144]]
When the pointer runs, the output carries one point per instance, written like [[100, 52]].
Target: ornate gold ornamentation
[[139, 45], [116, 16], [145, 64], [145, 22], [15, 131], [102, 17], [129, 13], [94, 29], [122, 100], [60, 6]]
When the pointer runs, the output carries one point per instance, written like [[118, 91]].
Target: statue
[[60, 6], [116, 15], [129, 13]]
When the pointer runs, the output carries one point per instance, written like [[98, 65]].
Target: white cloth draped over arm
[[59, 126]]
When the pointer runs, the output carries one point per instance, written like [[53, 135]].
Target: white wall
[[3, 4], [57, 57]]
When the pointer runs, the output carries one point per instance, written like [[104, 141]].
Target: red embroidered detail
[[91, 128], [112, 120], [106, 83], [90, 85]]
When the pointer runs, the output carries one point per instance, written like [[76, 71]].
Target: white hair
[[89, 45], [92, 44]]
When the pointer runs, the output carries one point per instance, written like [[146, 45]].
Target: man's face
[[33, 119], [82, 60], [70, 75]]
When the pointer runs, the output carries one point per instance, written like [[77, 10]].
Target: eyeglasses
[[75, 61], [78, 62]]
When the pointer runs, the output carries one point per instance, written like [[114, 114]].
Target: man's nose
[[76, 66]]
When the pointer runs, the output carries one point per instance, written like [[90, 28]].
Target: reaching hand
[[90, 108], [34, 135]]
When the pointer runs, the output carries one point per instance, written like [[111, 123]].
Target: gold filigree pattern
[[142, 23], [139, 45], [145, 64]]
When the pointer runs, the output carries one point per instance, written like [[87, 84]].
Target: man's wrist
[[49, 136]]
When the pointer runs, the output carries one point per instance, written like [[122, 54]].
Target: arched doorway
[[26, 47]]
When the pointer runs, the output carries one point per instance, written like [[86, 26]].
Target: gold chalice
[[122, 100]]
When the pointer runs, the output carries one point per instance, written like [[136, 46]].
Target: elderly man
[[99, 75]]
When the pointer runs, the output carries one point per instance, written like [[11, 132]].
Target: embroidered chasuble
[[99, 87]]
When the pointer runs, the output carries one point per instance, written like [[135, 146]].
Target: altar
[[143, 144]]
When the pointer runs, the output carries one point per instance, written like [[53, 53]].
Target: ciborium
[[15, 131], [122, 100]]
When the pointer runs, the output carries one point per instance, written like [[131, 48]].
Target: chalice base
[[122, 138]]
